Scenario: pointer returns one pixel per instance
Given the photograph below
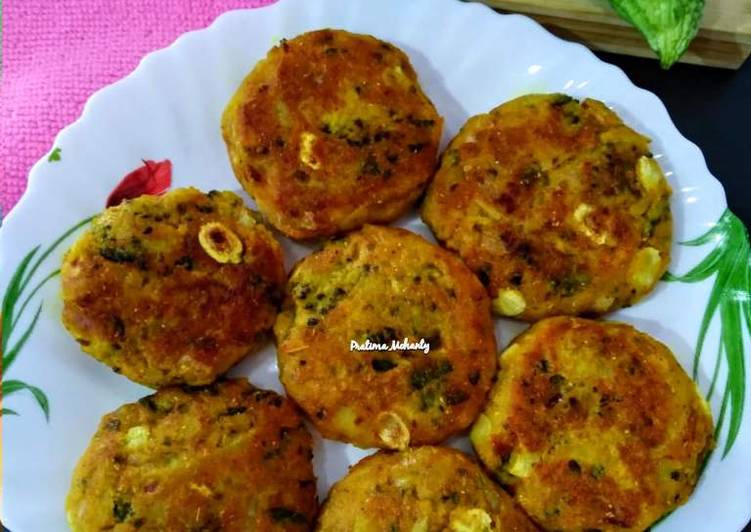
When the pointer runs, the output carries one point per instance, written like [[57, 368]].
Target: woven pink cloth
[[57, 53]]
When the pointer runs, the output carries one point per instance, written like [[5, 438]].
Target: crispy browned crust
[[594, 425], [330, 131], [225, 457], [541, 198], [141, 295], [382, 284], [424, 488]]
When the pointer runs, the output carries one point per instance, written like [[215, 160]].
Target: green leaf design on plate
[[730, 263], [16, 292], [11, 386]]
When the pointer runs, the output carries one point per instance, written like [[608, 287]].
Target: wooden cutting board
[[724, 38]]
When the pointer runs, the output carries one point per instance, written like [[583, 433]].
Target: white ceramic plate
[[469, 59]]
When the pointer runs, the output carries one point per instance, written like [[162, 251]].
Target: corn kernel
[[394, 432], [603, 303], [649, 173], [220, 243], [137, 437], [509, 302], [470, 520], [307, 143], [580, 219], [480, 434], [203, 489], [521, 463], [421, 525], [645, 268]]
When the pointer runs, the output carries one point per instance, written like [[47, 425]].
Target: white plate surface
[[469, 59]]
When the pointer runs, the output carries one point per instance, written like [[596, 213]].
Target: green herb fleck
[[382, 365], [117, 254], [534, 174], [55, 155], [453, 497], [421, 377], [561, 99], [569, 285], [186, 262], [121, 510], [280, 514], [233, 411], [557, 380], [119, 327], [370, 166], [434, 340], [483, 273], [383, 336], [455, 397], [597, 472], [428, 398], [420, 122]]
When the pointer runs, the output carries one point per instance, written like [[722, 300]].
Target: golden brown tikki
[[389, 288], [421, 489], [173, 289], [557, 206], [330, 131], [593, 426], [225, 457]]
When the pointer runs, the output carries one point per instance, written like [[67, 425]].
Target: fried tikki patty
[[173, 289], [225, 457], [422, 489], [378, 287], [594, 426], [556, 205], [330, 131]]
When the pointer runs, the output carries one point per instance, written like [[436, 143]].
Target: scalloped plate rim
[[671, 134]]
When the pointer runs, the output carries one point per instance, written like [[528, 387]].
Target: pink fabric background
[[57, 53]]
